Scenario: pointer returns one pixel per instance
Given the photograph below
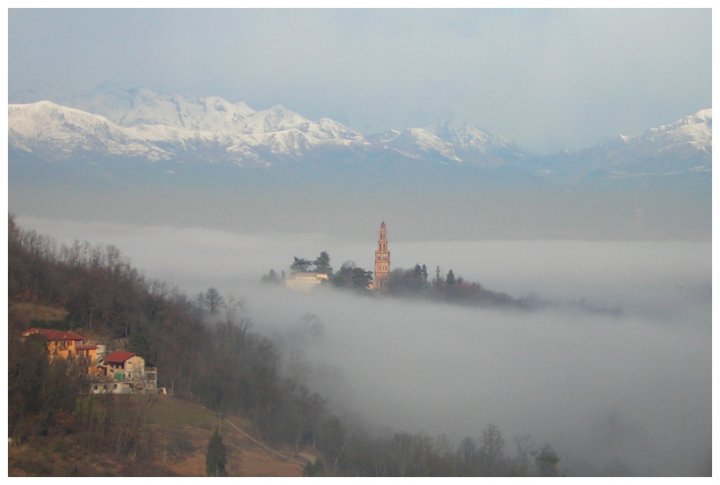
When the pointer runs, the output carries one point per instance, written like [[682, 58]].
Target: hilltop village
[[306, 275], [302, 279]]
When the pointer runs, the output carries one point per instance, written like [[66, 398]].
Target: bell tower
[[382, 259]]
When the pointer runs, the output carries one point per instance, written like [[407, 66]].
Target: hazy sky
[[547, 79]]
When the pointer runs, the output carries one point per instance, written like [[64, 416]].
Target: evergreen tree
[[361, 278], [140, 343], [351, 276], [416, 281], [450, 280], [215, 458], [322, 264], [271, 278], [300, 265]]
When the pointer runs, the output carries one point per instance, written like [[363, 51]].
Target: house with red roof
[[122, 372], [64, 344], [119, 372]]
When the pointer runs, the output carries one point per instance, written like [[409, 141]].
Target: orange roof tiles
[[51, 334]]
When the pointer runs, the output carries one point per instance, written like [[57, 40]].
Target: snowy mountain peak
[[220, 105], [693, 131], [41, 117], [465, 135], [477, 145], [57, 132], [683, 146], [704, 114], [210, 113], [142, 106], [277, 118], [418, 143]]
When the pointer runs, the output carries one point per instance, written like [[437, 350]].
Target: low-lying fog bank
[[622, 395], [629, 394]]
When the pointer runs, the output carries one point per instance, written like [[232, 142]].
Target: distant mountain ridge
[[172, 126], [206, 131], [684, 145], [143, 125]]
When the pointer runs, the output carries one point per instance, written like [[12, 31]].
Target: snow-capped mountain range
[[141, 124], [211, 129], [685, 145], [173, 128]]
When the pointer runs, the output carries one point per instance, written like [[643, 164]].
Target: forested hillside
[[221, 365]]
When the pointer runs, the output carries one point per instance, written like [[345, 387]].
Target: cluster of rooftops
[[117, 372]]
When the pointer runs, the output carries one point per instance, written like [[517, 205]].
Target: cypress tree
[[215, 458]]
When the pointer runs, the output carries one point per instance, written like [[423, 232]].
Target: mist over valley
[[623, 392]]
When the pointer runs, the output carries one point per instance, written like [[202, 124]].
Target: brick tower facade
[[382, 259]]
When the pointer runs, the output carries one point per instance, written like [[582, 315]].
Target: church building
[[382, 259]]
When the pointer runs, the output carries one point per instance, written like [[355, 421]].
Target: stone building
[[124, 372], [305, 281]]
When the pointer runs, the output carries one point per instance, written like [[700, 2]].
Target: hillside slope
[[59, 429], [179, 430]]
